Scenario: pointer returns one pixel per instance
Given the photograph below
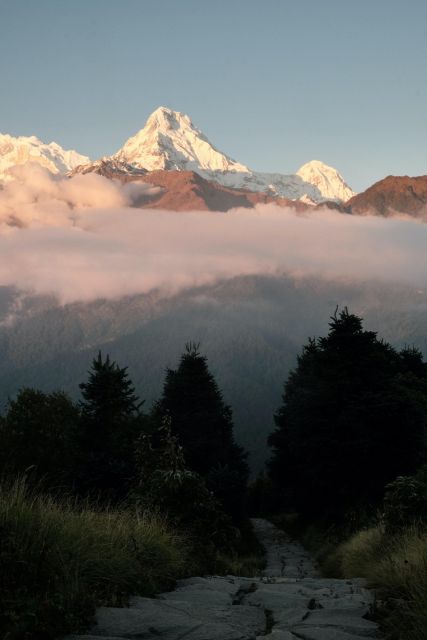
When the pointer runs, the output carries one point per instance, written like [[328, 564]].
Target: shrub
[[405, 502], [166, 483]]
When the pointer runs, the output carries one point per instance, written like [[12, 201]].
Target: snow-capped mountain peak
[[169, 140], [23, 149], [327, 179]]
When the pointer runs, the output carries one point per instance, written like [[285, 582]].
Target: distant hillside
[[251, 329], [394, 194]]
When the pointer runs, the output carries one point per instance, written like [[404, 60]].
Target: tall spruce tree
[[109, 426], [353, 418], [203, 424]]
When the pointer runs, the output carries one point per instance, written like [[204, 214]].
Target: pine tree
[[109, 425], [353, 418], [203, 424]]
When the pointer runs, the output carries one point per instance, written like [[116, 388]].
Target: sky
[[272, 83]]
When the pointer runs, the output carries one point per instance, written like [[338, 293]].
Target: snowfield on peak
[[20, 150], [169, 140], [327, 179]]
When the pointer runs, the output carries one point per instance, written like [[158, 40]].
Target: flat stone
[[286, 619], [325, 633], [230, 584], [245, 618], [345, 619], [76, 637], [168, 625], [199, 596], [278, 634], [274, 600]]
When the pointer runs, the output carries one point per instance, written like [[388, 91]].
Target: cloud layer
[[83, 238]]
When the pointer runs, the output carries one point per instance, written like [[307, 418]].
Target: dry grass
[[396, 566], [59, 560]]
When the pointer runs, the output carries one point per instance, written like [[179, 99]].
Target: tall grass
[[397, 566], [59, 560]]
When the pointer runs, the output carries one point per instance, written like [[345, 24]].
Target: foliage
[[109, 425], [203, 424], [405, 502], [167, 484], [58, 561], [353, 418], [37, 434]]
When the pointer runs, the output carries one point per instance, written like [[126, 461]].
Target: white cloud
[[81, 239]]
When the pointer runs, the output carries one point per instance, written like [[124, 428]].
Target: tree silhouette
[[353, 417], [109, 425], [38, 432], [203, 424]]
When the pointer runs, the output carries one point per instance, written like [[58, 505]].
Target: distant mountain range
[[173, 154], [170, 141]]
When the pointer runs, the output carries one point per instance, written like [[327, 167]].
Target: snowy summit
[[169, 140]]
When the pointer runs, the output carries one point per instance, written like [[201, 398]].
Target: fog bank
[[83, 238]]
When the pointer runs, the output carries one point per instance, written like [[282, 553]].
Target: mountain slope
[[169, 140], [394, 194], [23, 149]]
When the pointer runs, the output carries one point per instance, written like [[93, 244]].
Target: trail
[[290, 601]]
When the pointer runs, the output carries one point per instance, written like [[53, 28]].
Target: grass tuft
[[397, 567], [59, 560]]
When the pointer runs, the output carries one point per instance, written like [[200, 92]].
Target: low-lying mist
[[82, 238]]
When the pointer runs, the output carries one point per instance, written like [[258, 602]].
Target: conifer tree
[[353, 418], [37, 434], [203, 424], [109, 425]]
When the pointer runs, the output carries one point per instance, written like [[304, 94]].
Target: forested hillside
[[251, 329]]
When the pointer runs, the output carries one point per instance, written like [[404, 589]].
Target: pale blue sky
[[273, 83]]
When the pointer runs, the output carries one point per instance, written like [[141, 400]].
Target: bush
[[57, 561], [405, 502], [166, 483], [38, 430]]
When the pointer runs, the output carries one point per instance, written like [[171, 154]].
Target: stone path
[[290, 601]]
